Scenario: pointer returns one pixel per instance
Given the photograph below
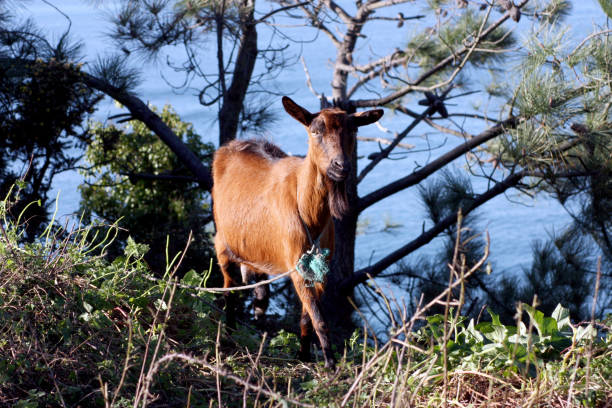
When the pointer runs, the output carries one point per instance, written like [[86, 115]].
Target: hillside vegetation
[[79, 330]]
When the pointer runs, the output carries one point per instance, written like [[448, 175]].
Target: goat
[[269, 207]]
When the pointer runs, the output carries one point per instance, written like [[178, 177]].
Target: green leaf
[[497, 334], [561, 315], [473, 332], [549, 326], [585, 333], [135, 250], [518, 339], [160, 304], [191, 278], [494, 317], [546, 326]]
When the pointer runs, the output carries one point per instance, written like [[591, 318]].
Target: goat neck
[[312, 196]]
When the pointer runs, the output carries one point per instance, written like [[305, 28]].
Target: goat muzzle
[[339, 169]]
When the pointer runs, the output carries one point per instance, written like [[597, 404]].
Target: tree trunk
[[233, 100], [336, 302], [336, 306]]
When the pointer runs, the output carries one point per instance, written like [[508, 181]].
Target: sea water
[[514, 221]]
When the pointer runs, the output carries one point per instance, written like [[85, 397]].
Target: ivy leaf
[[585, 332], [537, 318], [561, 315]]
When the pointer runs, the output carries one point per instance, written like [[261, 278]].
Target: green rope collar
[[313, 266]]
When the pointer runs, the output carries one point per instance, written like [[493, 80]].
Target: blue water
[[513, 221]]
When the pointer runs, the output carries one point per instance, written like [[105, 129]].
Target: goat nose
[[338, 163], [339, 168]]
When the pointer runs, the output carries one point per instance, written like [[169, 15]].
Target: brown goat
[[264, 200]]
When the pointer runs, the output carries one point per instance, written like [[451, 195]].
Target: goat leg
[[261, 298], [311, 304], [305, 335], [227, 268]]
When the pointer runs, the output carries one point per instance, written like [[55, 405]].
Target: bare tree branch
[[444, 129], [425, 171], [384, 141], [333, 6], [318, 24], [373, 5], [500, 187], [271, 13], [385, 152], [309, 81], [384, 63], [344, 55], [433, 107]]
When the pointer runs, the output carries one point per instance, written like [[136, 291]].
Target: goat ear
[[297, 112], [367, 117]]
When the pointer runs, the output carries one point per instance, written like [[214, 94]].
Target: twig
[[361, 275], [466, 49], [126, 364], [308, 80], [222, 290], [217, 362], [593, 307], [222, 372], [384, 141], [587, 39], [425, 171]]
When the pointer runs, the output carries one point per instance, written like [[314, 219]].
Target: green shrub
[[72, 321]]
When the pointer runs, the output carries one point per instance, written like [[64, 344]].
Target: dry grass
[[77, 330]]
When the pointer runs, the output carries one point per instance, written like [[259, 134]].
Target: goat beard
[[338, 199]]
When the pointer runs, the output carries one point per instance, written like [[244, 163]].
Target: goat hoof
[[304, 356]]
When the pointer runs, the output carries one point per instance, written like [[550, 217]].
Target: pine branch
[[365, 103], [374, 270], [141, 111], [500, 187]]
